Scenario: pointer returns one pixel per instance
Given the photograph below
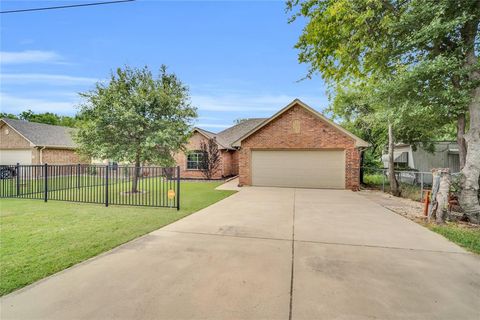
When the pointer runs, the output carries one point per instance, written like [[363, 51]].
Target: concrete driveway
[[269, 253]]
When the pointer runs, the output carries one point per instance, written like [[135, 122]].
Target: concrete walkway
[[231, 184], [269, 253]]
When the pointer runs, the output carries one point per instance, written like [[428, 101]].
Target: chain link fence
[[413, 184]]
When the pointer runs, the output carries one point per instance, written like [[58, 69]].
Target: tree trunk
[[136, 174], [462, 145], [440, 191], [391, 164], [471, 171]]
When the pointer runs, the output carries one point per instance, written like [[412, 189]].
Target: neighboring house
[[445, 155], [36, 143], [296, 147]]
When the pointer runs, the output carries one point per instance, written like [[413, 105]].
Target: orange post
[[427, 202]]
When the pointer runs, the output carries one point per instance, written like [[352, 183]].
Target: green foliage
[[358, 115], [39, 239], [136, 118], [8, 115], [373, 179], [46, 117], [344, 38], [374, 39]]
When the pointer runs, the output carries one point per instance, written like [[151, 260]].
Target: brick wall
[[61, 156], [298, 128], [234, 163], [230, 163], [10, 139], [194, 143]]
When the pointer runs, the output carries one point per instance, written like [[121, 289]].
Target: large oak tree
[[136, 117]]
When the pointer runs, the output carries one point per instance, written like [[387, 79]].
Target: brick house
[[36, 143], [296, 147], [189, 161]]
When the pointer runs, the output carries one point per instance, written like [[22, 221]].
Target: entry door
[[301, 169]]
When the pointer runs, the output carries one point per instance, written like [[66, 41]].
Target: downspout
[[41, 154]]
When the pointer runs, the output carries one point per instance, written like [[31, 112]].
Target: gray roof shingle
[[226, 137], [41, 134], [234, 133]]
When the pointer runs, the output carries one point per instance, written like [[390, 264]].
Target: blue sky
[[236, 57]]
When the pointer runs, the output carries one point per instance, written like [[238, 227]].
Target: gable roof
[[209, 135], [43, 135], [226, 137], [358, 141], [232, 134]]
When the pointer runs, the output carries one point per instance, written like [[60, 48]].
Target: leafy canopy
[[46, 117], [136, 117], [410, 57]]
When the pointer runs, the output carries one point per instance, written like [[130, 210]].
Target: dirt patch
[[410, 209], [405, 207]]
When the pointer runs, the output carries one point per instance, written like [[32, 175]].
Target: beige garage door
[[302, 169], [15, 156]]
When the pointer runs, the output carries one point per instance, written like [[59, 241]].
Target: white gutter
[[41, 154]]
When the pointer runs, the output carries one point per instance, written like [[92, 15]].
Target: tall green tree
[[136, 117], [46, 117], [423, 54]]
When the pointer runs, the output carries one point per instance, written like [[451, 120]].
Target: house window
[[401, 161], [194, 160]]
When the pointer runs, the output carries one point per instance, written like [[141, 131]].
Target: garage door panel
[[11, 157], [307, 169]]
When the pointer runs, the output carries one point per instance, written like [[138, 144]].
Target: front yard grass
[[466, 237], [38, 239]]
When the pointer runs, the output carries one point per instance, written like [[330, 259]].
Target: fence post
[[383, 180], [45, 174], [421, 186], [17, 170], [178, 188], [78, 176], [106, 185]]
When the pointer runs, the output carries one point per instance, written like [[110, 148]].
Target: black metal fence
[[104, 184]]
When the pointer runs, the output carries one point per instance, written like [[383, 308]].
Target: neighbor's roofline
[[33, 145], [202, 132], [358, 141], [18, 132]]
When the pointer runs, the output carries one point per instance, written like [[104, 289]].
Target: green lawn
[[38, 239], [469, 238]]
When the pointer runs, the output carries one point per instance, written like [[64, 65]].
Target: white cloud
[[209, 118], [246, 103], [213, 125], [14, 104], [51, 79], [30, 56]]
